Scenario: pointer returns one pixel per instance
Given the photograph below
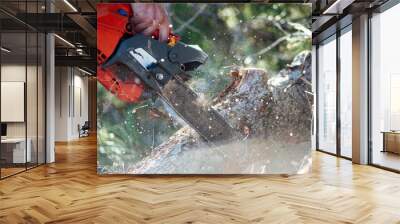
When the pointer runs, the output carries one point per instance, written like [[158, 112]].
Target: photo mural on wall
[[215, 88]]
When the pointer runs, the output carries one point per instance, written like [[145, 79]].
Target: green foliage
[[236, 34], [266, 36], [125, 132]]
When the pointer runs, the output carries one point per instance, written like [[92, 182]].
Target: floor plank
[[70, 191]]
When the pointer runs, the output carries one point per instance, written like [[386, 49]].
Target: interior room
[[22, 103], [60, 164], [25, 65]]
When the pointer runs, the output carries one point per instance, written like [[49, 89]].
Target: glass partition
[[22, 78], [41, 96], [13, 105], [32, 98]]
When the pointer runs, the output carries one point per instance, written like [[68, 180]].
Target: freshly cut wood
[[273, 115]]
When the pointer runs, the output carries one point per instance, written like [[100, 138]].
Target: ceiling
[[75, 22], [330, 15]]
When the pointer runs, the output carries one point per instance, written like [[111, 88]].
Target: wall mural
[[204, 88]]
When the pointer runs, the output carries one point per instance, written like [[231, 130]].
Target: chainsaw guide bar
[[207, 122]]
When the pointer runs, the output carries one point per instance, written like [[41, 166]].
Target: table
[[391, 141], [13, 150]]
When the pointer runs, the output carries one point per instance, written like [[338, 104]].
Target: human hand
[[150, 17]]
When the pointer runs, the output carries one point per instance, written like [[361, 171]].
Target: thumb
[[164, 31]]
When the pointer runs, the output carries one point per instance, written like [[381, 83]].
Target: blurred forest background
[[266, 36]]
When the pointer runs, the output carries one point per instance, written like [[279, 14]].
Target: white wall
[[71, 94], [61, 103], [13, 101], [13, 72], [80, 100]]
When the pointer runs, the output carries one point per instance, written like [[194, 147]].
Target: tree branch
[[190, 27], [197, 14], [277, 42]]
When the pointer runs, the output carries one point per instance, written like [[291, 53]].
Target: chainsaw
[[138, 67]]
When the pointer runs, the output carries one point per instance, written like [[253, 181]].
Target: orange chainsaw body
[[113, 24]]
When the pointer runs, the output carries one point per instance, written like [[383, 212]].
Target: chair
[[84, 130]]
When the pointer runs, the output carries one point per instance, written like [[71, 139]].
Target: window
[[385, 89], [346, 92], [327, 96]]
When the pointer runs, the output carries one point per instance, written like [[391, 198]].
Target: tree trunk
[[272, 113]]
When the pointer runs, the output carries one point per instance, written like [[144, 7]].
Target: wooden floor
[[387, 159], [5, 172], [70, 191]]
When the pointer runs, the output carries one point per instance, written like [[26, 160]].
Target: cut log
[[273, 113]]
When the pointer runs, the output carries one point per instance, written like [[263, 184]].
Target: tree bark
[[272, 113]]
